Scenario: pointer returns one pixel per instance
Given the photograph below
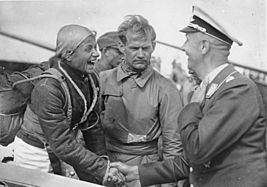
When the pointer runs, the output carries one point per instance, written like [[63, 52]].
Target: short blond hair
[[136, 24]]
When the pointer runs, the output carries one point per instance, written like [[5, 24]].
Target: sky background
[[40, 21]]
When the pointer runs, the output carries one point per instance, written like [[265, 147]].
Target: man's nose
[[140, 53], [95, 53], [183, 47]]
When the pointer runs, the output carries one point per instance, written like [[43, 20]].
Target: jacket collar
[[139, 79], [210, 77], [225, 75]]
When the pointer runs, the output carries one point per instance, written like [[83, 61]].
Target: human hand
[[130, 172], [114, 178], [188, 88], [199, 93]]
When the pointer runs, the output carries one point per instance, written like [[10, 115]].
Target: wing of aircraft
[[15, 176]]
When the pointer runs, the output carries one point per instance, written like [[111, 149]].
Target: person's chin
[[141, 67], [90, 68]]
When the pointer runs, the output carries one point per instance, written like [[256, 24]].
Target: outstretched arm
[[170, 170]]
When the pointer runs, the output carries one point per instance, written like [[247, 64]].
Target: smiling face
[[138, 50], [85, 56]]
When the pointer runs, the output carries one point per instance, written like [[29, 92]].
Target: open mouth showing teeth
[[91, 62]]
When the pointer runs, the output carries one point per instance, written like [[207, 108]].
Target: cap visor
[[188, 30]]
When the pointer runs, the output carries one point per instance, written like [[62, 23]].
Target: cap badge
[[197, 27]]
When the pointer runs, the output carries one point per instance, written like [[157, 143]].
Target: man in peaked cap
[[109, 46], [223, 126], [50, 129]]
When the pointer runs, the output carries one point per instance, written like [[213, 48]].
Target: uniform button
[[191, 169], [72, 173]]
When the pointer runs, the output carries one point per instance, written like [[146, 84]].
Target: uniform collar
[[140, 79], [210, 77], [223, 74]]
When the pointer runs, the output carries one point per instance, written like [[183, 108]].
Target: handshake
[[119, 174]]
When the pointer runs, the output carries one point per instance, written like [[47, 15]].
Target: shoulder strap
[[57, 75], [32, 79], [21, 74]]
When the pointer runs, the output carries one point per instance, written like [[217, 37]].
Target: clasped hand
[[114, 178], [120, 173]]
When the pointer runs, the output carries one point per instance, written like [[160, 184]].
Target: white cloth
[[31, 157]]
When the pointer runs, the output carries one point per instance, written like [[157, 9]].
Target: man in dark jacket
[[51, 130], [223, 126]]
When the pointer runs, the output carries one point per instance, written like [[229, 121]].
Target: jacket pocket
[[114, 117]]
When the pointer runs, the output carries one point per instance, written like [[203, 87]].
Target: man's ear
[[154, 45], [205, 46], [105, 51], [68, 55], [121, 47]]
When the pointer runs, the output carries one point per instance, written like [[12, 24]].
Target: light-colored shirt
[[209, 78]]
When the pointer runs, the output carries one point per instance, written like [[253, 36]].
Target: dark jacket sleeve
[[170, 170], [47, 102], [95, 140], [232, 112], [170, 107]]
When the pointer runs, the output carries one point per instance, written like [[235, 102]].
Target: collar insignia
[[229, 78], [212, 89]]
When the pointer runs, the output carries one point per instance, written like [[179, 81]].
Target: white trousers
[[28, 156]]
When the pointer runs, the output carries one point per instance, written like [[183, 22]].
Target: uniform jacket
[[137, 111], [223, 137], [46, 119]]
